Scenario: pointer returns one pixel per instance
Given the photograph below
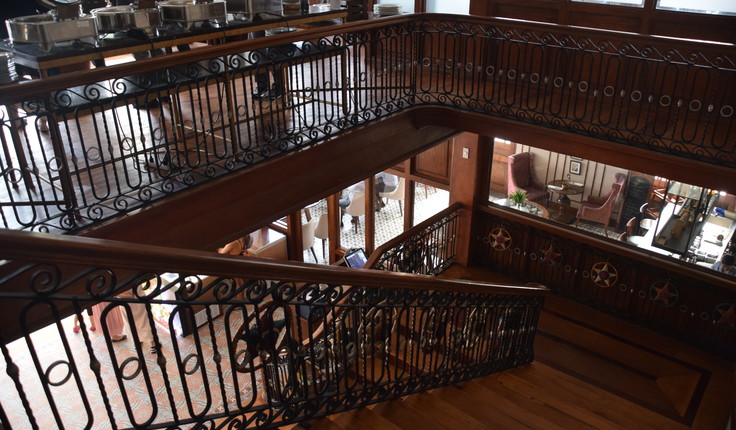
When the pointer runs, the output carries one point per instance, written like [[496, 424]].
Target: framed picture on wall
[[575, 167]]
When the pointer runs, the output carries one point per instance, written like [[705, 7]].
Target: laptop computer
[[355, 258]]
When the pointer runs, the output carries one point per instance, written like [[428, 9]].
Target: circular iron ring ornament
[[604, 275], [500, 239]]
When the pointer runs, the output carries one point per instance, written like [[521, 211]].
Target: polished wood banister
[[38, 247]]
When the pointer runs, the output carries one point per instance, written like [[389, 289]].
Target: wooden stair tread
[[406, 416], [623, 351], [595, 406], [530, 407], [362, 419], [607, 374], [442, 412], [634, 333]]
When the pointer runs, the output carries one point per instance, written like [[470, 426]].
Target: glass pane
[[636, 3], [428, 200], [390, 207], [407, 6], [459, 7], [723, 7]]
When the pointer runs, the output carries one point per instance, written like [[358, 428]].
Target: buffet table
[[35, 58]]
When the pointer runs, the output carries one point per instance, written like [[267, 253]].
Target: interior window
[[634, 3], [407, 6], [458, 7], [667, 217], [720, 7]]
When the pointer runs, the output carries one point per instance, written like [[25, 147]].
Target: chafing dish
[[46, 30], [189, 11], [118, 18], [246, 9], [280, 30]]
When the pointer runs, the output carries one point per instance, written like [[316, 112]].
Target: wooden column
[[333, 226], [471, 160], [370, 214]]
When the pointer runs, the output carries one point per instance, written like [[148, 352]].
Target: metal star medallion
[[500, 239], [604, 274], [727, 315], [549, 255], [663, 293]]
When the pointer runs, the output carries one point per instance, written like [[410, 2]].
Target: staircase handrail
[[412, 240]]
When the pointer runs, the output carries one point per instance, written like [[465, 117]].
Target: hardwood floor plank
[[531, 405], [466, 398], [597, 407], [442, 412], [608, 344], [607, 375], [405, 417], [363, 419], [635, 334]]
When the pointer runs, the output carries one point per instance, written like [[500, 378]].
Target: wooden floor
[[591, 371]]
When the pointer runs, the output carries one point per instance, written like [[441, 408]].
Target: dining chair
[[521, 176], [321, 232], [397, 194], [356, 208], [308, 234], [646, 223], [630, 232], [599, 209]]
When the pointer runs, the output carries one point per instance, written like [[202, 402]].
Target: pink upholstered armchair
[[521, 175], [599, 209]]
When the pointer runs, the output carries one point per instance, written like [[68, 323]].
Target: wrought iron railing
[[104, 155], [428, 248], [269, 343]]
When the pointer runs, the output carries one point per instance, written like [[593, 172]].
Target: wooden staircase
[[591, 371]]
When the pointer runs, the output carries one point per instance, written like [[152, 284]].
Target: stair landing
[[591, 371]]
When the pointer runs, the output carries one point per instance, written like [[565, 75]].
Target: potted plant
[[518, 197]]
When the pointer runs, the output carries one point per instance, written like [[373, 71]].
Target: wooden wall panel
[[645, 20], [434, 163], [525, 12], [595, 20], [683, 301]]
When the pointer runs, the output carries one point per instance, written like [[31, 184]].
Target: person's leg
[[143, 325], [92, 325]]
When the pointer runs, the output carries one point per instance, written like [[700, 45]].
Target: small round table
[[564, 189], [562, 210]]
